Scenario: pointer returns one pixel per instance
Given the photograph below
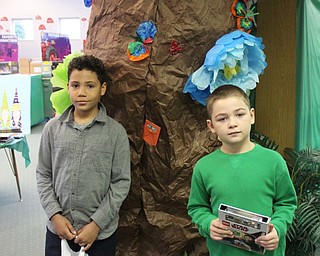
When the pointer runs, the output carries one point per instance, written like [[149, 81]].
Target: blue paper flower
[[237, 58], [146, 31], [87, 3]]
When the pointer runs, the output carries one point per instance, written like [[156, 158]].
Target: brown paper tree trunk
[[154, 219]]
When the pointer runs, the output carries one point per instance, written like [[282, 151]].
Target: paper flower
[[146, 31], [60, 98], [244, 11], [87, 3], [175, 47], [137, 50], [237, 58]]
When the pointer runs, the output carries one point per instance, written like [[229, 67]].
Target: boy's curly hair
[[90, 63]]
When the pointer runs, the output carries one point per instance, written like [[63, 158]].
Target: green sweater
[[257, 181]]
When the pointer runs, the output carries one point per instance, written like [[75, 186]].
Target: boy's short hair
[[223, 92], [90, 63]]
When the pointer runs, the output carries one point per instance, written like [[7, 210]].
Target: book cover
[[246, 227]]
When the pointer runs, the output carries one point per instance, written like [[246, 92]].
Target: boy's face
[[231, 120], [85, 90]]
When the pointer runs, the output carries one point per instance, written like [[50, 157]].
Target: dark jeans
[[105, 247]]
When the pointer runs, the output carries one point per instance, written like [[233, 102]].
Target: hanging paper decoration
[[137, 50], [244, 11], [60, 98], [50, 20], [42, 27], [87, 3], [38, 17], [175, 47], [237, 58], [5, 25]]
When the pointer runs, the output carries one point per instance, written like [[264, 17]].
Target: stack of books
[[6, 137]]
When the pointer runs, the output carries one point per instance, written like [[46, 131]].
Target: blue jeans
[[105, 247]]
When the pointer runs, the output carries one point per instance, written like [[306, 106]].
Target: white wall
[[54, 9]]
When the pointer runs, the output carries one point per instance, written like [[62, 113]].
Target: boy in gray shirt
[[83, 173]]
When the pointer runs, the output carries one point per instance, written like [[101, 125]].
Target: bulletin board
[[15, 93], [8, 48]]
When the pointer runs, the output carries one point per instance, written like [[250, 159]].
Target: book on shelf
[[6, 137]]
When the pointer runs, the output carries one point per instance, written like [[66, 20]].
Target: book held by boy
[[246, 227]]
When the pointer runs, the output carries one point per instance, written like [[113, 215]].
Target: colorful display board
[[8, 48], [54, 46], [15, 91]]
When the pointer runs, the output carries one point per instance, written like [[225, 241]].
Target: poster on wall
[[15, 104], [54, 46], [8, 48], [4, 25]]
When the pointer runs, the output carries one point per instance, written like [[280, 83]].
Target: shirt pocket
[[103, 157], [61, 154]]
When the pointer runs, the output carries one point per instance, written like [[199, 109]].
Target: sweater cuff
[[280, 230], [101, 219], [52, 209], [207, 224]]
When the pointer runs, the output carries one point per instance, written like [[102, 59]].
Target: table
[[20, 145]]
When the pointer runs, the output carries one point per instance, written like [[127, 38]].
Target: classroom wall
[[54, 9], [275, 94]]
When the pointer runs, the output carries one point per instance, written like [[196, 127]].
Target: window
[[70, 27], [23, 28]]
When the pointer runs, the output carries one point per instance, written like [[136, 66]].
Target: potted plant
[[303, 236], [263, 140]]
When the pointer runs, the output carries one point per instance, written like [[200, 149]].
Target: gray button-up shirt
[[84, 173]]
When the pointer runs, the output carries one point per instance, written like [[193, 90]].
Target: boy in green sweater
[[241, 174]]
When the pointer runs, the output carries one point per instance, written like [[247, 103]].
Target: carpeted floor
[[22, 224]]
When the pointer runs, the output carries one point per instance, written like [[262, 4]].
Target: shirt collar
[[68, 117]]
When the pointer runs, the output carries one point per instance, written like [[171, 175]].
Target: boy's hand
[[63, 227], [87, 235], [218, 231], [270, 241]]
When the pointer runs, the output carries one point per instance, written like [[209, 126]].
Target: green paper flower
[[60, 99]]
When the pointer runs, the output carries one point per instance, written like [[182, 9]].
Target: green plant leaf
[[60, 98], [263, 140]]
